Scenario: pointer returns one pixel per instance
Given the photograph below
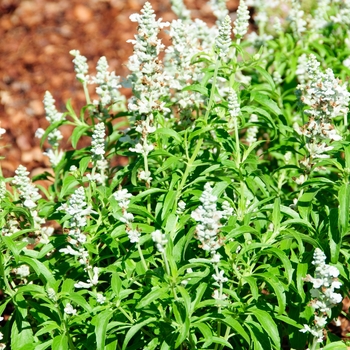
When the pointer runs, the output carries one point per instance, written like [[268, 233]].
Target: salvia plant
[[226, 227]]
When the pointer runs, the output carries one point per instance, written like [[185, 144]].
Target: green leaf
[[69, 183], [170, 133], [344, 204], [237, 327], [45, 345], [267, 102], [101, 322], [135, 328], [46, 328], [277, 287], [267, 77], [79, 300], [253, 286], [156, 293], [40, 269], [284, 259], [217, 340], [302, 269], [21, 333], [78, 132], [183, 326], [339, 345], [198, 88], [289, 321], [305, 202], [267, 324], [335, 239], [60, 342], [168, 204], [204, 329]]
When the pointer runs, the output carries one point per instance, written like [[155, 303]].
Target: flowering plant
[[234, 193]]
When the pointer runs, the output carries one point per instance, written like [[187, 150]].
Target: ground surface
[[36, 37]]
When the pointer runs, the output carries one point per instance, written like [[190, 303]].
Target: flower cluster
[[207, 231], [296, 16], [160, 240], [148, 80], [108, 85], [98, 142], [78, 210], [219, 9], [208, 218], [326, 98], [122, 196], [188, 39], [252, 131], [242, 21], [81, 67], [223, 41], [52, 116], [27, 191], [323, 285], [180, 10], [2, 190]]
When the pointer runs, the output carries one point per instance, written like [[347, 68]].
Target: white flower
[[134, 236], [159, 239], [242, 22], [100, 298], [122, 196], [83, 285], [69, 310], [22, 271], [219, 277], [216, 295], [2, 131]]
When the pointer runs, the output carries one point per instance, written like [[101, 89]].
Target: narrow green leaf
[[267, 77], [237, 327], [268, 325], [40, 269], [78, 132], [344, 204], [217, 340], [21, 334], [156, 293], [198, 88], [170, 133], [335, 239], [101, 322], [267, 102], [60, 342], [168, 204], [339, 345], [135, 328]]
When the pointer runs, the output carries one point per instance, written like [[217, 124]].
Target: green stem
[[189, 166], [142, 257], [167, 269], [238, 151], [200, 141], [86, 92]]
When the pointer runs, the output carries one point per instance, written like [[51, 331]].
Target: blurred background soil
[[36, 37]]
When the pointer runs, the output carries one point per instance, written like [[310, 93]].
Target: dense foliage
[[229, 226]]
